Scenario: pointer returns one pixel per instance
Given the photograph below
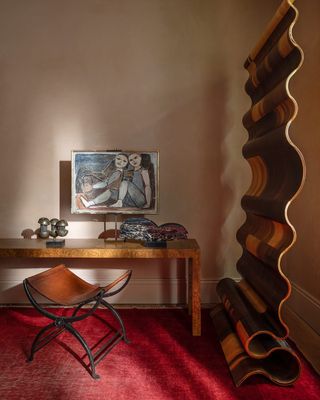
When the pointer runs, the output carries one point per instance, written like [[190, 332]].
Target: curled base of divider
[[281, 366]]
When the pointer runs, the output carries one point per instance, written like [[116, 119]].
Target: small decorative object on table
[[43, 232], [58, 228], [150, 233]]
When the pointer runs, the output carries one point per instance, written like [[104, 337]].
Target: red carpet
[[163, 362]]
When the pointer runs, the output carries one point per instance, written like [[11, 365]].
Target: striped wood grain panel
[[249, 321]]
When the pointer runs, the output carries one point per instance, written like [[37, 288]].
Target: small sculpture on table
[[58, 228], [43, 232]]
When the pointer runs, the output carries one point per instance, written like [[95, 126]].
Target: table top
[[96, 248]]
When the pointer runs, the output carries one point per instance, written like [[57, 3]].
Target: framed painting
[[125, 182]]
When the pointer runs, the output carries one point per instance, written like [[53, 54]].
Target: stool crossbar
[[64, 288]]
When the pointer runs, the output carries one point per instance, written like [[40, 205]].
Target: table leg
[[189, 285], [194, 297]]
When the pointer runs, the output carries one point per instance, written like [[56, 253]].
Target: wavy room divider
[[248, 321]]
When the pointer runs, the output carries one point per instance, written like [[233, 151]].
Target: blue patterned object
[[147, 230]]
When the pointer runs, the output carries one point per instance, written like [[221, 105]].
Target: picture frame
[[123, 182]]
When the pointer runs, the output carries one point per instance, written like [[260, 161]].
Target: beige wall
[[302, 265], [153, 74], [158, 75]]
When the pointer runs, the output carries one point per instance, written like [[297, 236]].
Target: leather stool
[[63, 287]]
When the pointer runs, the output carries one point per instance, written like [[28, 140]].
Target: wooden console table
[[99, 248]]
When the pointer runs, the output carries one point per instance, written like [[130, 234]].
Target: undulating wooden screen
[[248, 321]]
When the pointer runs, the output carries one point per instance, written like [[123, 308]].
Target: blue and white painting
[[114, 182]]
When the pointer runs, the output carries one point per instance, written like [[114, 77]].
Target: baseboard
[[305, 338], [301, 313], [306, 306]]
